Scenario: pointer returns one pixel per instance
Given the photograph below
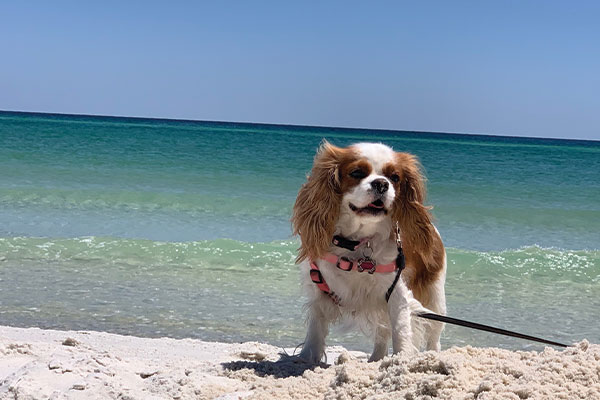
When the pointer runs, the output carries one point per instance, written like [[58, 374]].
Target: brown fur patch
[[347, 182], [422, 245], [317, 206]]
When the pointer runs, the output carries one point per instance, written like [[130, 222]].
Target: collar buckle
[[344, 260]]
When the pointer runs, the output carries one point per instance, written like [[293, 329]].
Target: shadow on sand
[[285, 367]]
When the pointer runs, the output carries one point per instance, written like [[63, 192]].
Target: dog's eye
[[358, 174], [395, 178]]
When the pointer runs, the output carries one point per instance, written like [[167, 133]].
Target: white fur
[[363, 295]]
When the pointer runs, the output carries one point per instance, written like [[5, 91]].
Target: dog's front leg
[[318, 327], [382, 337], [399, 311]]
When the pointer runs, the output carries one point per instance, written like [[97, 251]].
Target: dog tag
[[366, 263]]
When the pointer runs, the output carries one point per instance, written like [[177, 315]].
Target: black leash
[[481, 327], [400, 264], [341, 241]]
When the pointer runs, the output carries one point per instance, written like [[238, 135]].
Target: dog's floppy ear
[[410, 213], [317, 206]]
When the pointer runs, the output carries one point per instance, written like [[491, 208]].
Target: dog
[[361, 217]]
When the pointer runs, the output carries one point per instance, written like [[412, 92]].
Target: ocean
[[173, 228]]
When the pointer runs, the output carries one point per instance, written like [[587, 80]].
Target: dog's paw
[[300, 361], [310, 358]]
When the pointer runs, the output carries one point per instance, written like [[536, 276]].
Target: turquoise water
[[178, 228]]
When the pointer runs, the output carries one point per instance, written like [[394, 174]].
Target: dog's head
[[365, 186]]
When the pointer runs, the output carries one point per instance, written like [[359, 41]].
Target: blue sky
[[519, 68]]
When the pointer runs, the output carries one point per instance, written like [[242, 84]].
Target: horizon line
[[488, 135]]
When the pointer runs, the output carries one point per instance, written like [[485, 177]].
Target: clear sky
[[519, 68]]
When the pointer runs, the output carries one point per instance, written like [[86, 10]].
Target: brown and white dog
[[367, 194]]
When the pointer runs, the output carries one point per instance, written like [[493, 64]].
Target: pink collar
[[346, 265], [361, 264]]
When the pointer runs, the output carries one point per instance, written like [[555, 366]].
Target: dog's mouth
[[374, 208]]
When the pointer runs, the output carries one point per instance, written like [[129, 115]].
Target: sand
[[39, 364]]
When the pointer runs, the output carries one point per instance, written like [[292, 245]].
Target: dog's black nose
[[380, 185]]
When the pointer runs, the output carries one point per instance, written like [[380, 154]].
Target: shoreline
[[36, 363]]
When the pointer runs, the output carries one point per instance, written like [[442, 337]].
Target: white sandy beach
[[40, 364]]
